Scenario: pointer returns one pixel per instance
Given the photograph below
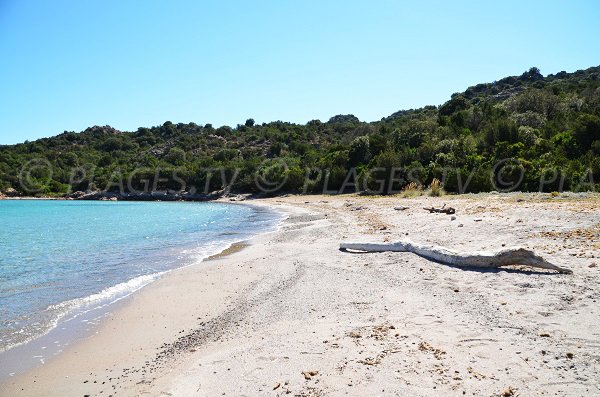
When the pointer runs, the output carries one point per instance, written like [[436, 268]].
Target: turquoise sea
[[62, 259]]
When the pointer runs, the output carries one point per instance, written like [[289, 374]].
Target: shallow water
[[62, 259]]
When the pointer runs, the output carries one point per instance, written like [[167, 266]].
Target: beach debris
[[374, 360], [377, 332], [443, 210], [401, 208], [309, 374], [426, 347], [508, 392], [544, 334], [476, 374], [496, 259], [277, 385], [238, 197]]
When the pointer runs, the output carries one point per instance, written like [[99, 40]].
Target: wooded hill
[[548, 126]]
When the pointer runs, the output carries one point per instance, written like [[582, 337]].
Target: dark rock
[[10, 192]]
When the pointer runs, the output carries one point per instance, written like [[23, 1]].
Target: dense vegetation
[[548, 126]]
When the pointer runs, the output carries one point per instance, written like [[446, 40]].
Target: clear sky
[[67, 65]]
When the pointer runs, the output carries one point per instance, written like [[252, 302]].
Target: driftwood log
[[505, 257], [443, 210]]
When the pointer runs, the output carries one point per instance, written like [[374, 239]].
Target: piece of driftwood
[[443, 210], [504, 257]]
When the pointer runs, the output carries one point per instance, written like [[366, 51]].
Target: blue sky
[[66, 65]]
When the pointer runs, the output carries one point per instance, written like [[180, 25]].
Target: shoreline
[[54, 340], [251, 322], [79, 323], [69, 360]]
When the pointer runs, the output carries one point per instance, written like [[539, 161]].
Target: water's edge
[[84, 315]]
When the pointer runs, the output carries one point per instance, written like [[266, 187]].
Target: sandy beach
[[288, 313]]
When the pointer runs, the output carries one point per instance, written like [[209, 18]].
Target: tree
[[176, 156], [533, 74], [456, 104], [359, 152], [377, 144], [587, 130], [249, 123], [387, 164]]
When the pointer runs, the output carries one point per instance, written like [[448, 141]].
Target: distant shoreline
[[232, 197]]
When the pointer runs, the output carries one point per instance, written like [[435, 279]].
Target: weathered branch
[[505, 257], [443, 210]]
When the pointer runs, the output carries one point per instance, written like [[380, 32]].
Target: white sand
[[369, 324]]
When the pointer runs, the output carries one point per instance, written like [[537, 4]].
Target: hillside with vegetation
[[543, 131]]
